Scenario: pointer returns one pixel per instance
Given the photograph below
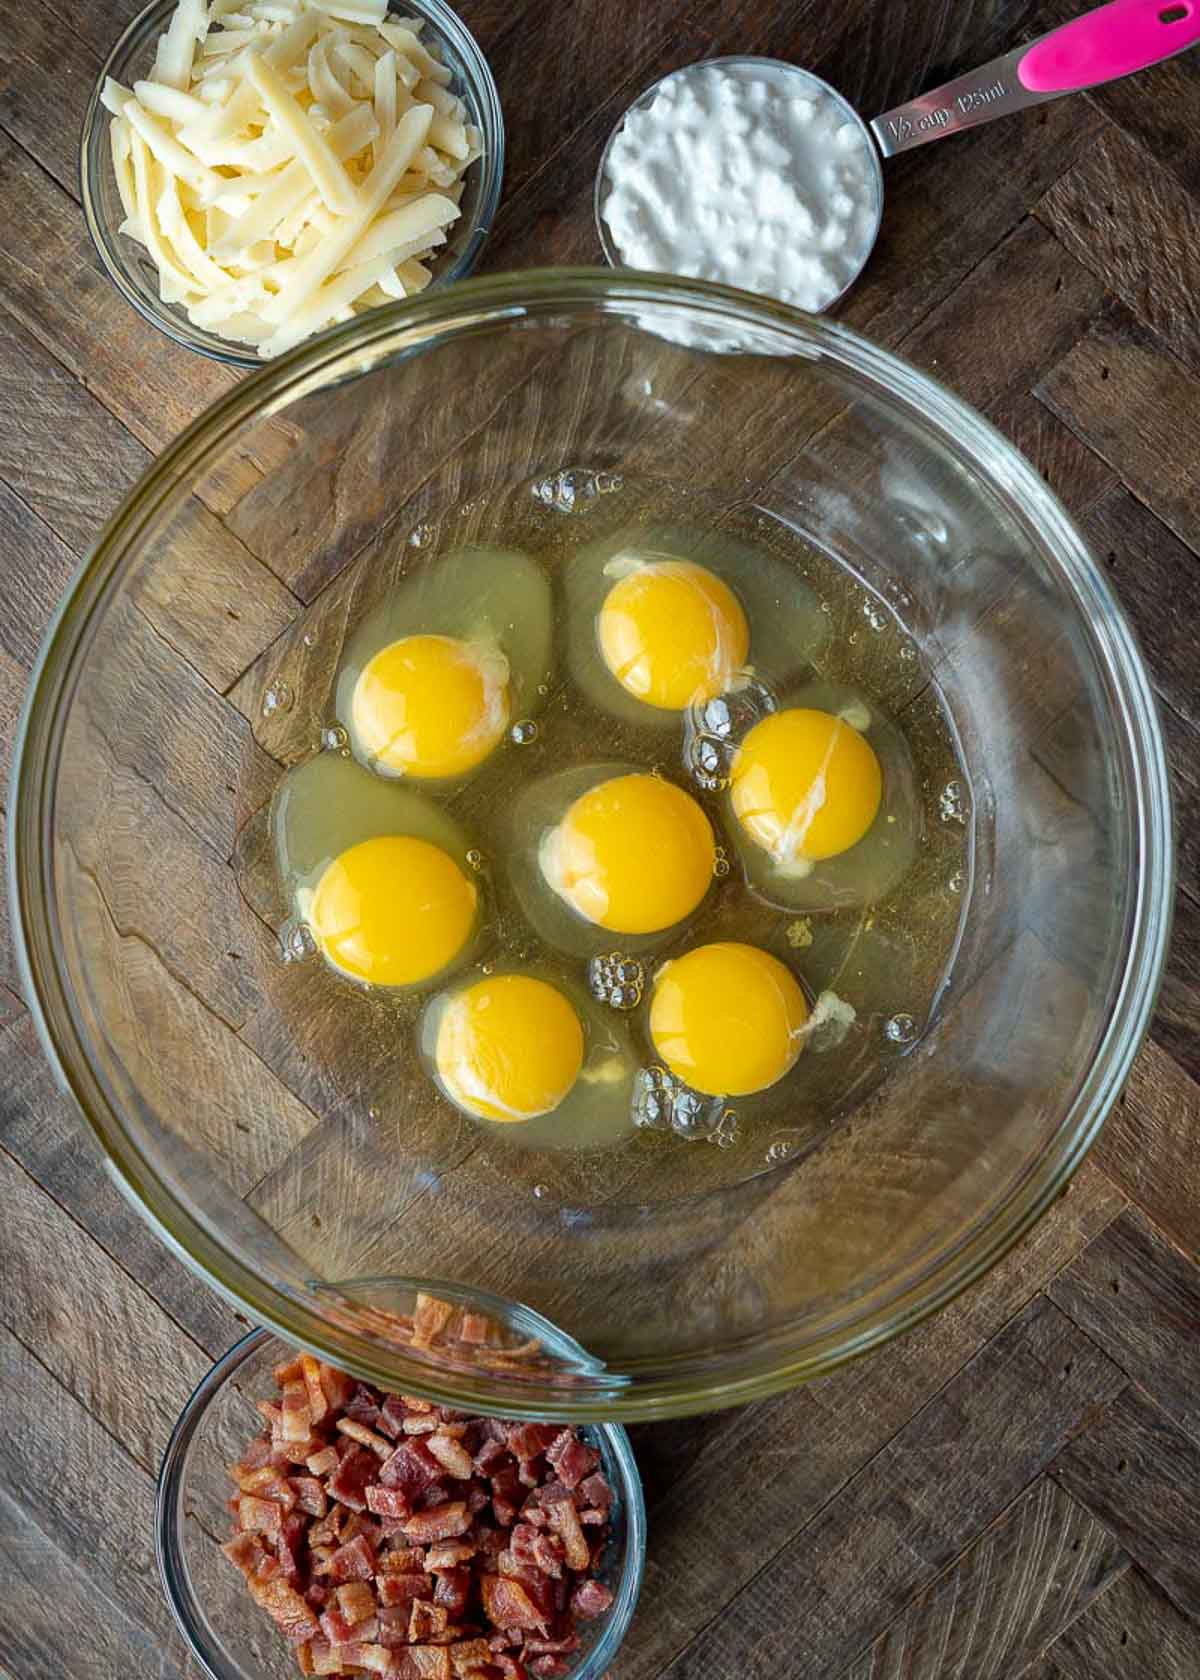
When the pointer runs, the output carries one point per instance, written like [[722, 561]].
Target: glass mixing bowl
[[265, 1117], [129, 265], [228, 1634]]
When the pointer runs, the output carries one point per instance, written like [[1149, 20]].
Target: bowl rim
[[169, 1513], [767, 1364], [175, 326]]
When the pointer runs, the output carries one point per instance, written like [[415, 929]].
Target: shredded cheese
[[289, 163]]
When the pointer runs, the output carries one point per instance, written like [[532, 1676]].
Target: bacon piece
[[354, 1561], [420, 1424], [245, 1552], [540, 1588], [564, 1519], [449, 1554], [411, 1467], [391, 1416], [321, 1463], [259, 1516], [506, 1496], [368, 1437], [469, 1654], [452, 1590], [590, 1599], [537, 1550], [324, 1657], [290, 1370], [451, 1455], [430, 1662], [296, 1420], [571, 1458], [491, 1455], [388, 1502], [426, 1621], [375, 1658], [356, 1601], [310, 1376], [530, 1440], [255, 1456], [447, 1522], [309, 1495], [550, 1668], [348, 1482], [363, 1404], [321, 1558], [294, 1619], [403, 1589], [337, 1385], [267, 1483], [290, 1542], [560, 1646], [507, 1604], [337, 1626], [430, 1318], [595, 1491], [402, 1560], [510, 1667], [271, 1414]]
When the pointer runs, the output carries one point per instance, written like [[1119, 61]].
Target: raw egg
[[822, 803], [609, 850], [535, 1060], [727, 1019], [434, 676], [376, 874], [659, 619]]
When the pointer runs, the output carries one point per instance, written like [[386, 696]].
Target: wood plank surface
[[1012, 1489]]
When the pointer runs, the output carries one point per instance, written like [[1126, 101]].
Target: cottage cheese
[[749, 173]]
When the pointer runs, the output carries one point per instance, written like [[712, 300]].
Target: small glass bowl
[[613, 257], [229, 1635], [130, 266]]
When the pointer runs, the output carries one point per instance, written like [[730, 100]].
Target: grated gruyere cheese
[[289, 163]]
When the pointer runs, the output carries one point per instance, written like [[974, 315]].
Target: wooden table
[[1013, 1489]]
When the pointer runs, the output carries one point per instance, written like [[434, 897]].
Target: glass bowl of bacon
[[308, 1523]]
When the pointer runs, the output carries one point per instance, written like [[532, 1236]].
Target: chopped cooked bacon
[[291, 1370], [364, 1530], [590, 1599], [388, 1502], [260, 1516], [446, 1522], [245, 1552], [291, 1615], [368, 1437], [564, 1518], [402, 1560], [506, 1604], [451, 1455], [355, 1561], [402, 1589], [469, 1654], [506, 1496], [490, 1456], [537, 1550], [411, 1467], [430, 1319], [426, 1621], [349, 1481], [267, 1483], [571, 1458], [453, 1590], [321, 1463], [475, 1329], [560, 1646], [449, 1554], [356, 1601], [296, 1420], [310, 1496], [337, 1385]]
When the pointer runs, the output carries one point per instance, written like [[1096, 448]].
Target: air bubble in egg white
[[663, 1103], [277, 697], [900, 1029], [524, 732], [952, 804], [617, 979]]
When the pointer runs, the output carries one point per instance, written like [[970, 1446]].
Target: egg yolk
[[430, 706], [672, 632], [727, 1019], [509, 1048], [634, 854], [805, 785], [392, 911]]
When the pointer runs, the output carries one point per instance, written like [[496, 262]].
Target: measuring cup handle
[[1101, 46]]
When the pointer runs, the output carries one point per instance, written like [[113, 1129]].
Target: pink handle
[[1114, 40]]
